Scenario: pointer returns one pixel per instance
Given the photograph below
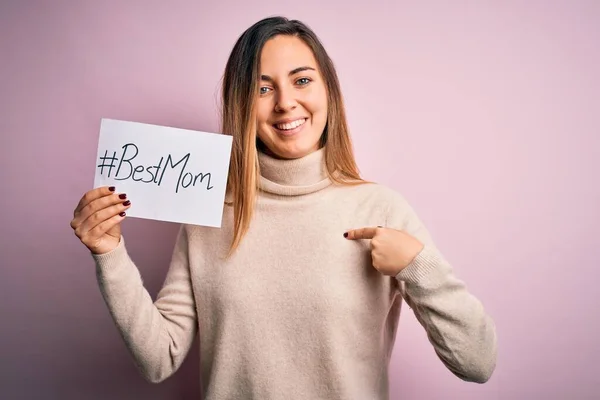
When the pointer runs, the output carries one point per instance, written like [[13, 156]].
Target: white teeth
[[291, 125]]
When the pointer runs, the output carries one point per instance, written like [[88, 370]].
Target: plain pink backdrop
[[485, 115]]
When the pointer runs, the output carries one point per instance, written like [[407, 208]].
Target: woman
[[298, 295]]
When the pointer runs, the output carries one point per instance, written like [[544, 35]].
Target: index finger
[[362, 233], [93, 195]]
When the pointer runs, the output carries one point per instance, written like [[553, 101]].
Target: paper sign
[[168, 174]]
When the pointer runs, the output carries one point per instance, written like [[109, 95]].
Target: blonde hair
[[238, 118]]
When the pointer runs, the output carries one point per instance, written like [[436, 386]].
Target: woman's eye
[[264, 90], [303, 81]]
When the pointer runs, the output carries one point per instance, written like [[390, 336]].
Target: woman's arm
[[461, 332], [158, 334]]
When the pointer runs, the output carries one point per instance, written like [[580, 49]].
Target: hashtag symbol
[[108, 162]]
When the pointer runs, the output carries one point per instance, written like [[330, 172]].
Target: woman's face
[[292, 100]]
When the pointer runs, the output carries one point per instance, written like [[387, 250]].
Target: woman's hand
[[97, 218], [391, 250]]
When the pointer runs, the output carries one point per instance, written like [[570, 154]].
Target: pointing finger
[[363, 233]]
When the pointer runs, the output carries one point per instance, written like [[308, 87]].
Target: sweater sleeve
[[158, 334], [461, 332]]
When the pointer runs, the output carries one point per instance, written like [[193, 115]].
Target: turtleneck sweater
[[298, 311]]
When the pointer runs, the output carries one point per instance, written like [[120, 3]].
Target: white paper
[[168, 174]]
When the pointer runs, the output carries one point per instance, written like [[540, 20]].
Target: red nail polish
[[123, 196], [345, 234], [112, 188], [122, 214], [127, 203]]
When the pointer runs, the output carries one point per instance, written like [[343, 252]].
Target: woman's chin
[[290, 148]]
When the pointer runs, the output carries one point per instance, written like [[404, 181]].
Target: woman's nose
[[285, 100]]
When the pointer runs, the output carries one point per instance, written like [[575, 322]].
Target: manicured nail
[[123, 196], [127, 203], [112, 188], [122, 214], [345, 234]]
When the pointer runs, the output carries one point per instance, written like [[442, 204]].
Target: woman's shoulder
[[379, 192], [384, 199]]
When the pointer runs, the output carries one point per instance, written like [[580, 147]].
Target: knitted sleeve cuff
[[426, 270], [114, 258]]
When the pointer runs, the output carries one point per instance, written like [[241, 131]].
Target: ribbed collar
[[293, 177]]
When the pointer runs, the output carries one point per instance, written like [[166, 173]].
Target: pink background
[[485, 115]]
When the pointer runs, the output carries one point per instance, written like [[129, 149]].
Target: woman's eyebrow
[[267, 78]]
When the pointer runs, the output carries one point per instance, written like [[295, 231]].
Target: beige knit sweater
[[298, 312]]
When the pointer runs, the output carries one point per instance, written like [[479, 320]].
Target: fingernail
[[345, 234], [379, 226], [127, 203], [112, 188], [123, 196], [122, 214]]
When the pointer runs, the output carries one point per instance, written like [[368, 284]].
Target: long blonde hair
[[239, 93]]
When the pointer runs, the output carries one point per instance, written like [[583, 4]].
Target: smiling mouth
[[290, 125]]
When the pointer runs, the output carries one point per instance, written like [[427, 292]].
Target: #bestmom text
[[152, 174]]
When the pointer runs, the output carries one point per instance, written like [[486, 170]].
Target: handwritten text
[[152, 174]]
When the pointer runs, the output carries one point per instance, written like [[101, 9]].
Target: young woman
[[298, 295]]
